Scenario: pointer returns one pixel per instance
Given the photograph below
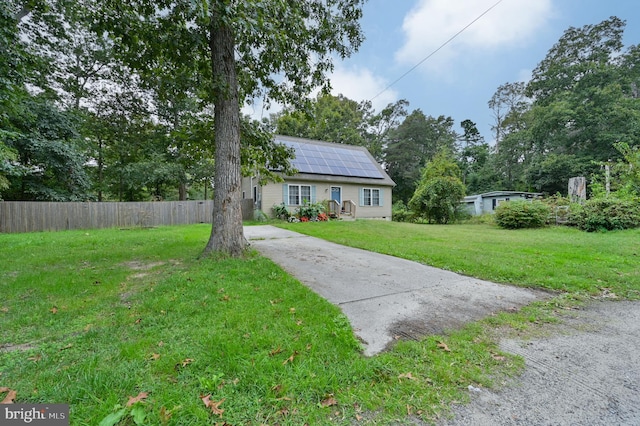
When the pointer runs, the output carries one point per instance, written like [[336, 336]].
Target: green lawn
[[92, 318], [555, 258]]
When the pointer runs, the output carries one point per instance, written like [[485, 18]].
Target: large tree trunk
[[226, 233]]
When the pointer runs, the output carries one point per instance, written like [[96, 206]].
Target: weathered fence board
[[27, 216]]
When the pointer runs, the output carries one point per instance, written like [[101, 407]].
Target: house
[[346, 177], [487, 202]]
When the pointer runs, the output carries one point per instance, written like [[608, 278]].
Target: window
[[371, 197], [299, 194]]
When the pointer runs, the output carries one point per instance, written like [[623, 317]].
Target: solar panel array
[[330, 160]]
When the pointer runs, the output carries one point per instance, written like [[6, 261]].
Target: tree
[[342, 120], [473, 150], [440, 190], [508, 104], [413, 143], [582, 93], [582, 99], [331, 118], [238, 51], [51, 165]]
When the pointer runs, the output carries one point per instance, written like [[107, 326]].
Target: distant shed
[[487, 202]]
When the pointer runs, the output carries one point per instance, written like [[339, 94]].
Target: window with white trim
[[371, 197], [299, 194]]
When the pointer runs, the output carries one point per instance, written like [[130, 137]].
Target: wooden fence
[[32, 216]]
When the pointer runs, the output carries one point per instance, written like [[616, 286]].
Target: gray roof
[[318, 160], [502, 194]]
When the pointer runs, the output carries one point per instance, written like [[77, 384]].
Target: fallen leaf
[[444, 346], [406, 376], [138, 320], [225, 298], [284, 412], [275, 302], [35, 358], [358, 417], [165, 415], [291, 358], [69, 346], [497, 357], [292, 310], [161, 343], [135, 399], [275, 351], [309, 346], [155, 356], [299, 322], [10, 397], [54, 310], [187, 361], [4, 309], [214, 406], [329, 402], [221, 291]]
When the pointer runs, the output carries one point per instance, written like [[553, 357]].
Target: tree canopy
[[140, 100]]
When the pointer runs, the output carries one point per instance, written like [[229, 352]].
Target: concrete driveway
[[384, 297]]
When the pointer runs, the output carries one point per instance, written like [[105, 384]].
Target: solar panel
[[330, 160]]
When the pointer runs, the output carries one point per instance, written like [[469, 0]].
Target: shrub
[[560, 209], [400, 212], [602, 214], [310, 211], [522, 214], [280, 211]]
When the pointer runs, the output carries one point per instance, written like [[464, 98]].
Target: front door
[[336, 194]]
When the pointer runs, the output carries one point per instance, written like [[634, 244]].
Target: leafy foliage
[[310, 211], [606, 214], [412, 144], [280, 211], [342, 120], [440, 190], [401, 213], [519, 214]]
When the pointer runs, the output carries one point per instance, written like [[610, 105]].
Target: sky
[[503, 45]]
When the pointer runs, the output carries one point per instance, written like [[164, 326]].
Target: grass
[[556, 258], [92, 318]]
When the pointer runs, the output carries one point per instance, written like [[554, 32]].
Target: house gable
[[329, 171]]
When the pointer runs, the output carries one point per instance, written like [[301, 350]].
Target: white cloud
[[432, 22], [360, 84], [357, 84]]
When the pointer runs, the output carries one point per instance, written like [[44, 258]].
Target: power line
[[436, 51]]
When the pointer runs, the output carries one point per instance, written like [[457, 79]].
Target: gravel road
[[585, 372]]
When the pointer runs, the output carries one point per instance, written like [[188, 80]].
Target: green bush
[[602, 214], [400, 212], [522, 214], [310, 211], [280, 211]]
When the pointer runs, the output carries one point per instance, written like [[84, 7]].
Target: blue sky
[[505, 45]]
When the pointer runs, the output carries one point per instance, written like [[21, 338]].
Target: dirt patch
[[585, 372], [141, 266], [8, 347]]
